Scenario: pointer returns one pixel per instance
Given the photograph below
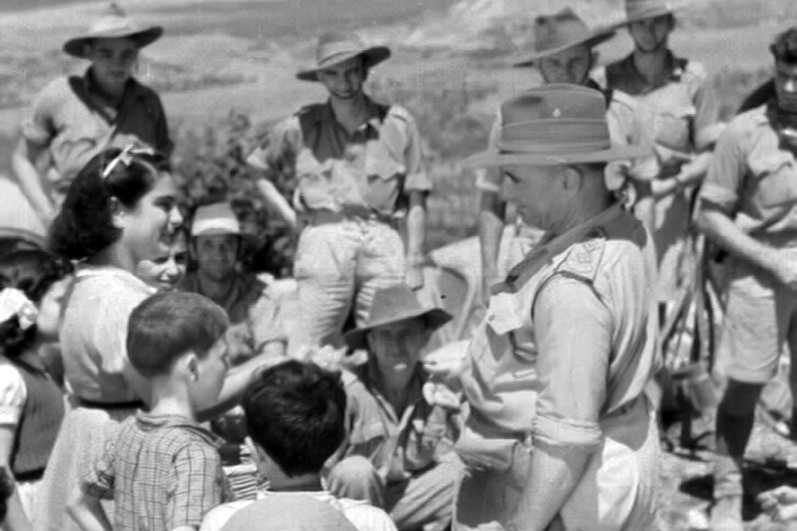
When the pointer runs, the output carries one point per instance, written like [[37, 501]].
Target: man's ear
[[572, 178], [192, 366], [118, 214]]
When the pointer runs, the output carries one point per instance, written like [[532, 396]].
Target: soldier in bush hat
[[680, 112], [559, 430], [399, 452], [76, 117], [748, 206], [358, 169], [256, 325], [563, 53]]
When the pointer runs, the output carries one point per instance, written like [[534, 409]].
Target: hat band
[[336, 57], [555, 136]]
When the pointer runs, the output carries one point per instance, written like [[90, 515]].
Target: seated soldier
[[399, 453], [254, 312]]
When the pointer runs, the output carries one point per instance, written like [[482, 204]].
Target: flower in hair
[[14, 302]]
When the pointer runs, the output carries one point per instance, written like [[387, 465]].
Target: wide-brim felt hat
[[561, 31], [113, 24], [334, 48], [391, 305], [637, 10], [554, 124]]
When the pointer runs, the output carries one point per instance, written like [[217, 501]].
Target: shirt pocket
[[384, 175], [776, 179]]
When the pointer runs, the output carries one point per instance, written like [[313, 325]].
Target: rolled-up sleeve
[[573, 331], [37, 126], [725, 173], [417, 179], [12, 394]]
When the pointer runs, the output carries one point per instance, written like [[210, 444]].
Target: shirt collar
[[373, 116], [516, 277], [634, 83], [148, 421]]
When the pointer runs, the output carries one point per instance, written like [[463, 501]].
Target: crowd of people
[[149, 381]]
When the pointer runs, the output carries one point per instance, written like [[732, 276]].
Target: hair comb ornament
[[126, 157]]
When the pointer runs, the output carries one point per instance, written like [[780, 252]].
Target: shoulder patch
[[583, 258]]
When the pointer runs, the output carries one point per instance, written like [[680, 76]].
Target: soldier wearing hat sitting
[[401, 425], [77, 117], [564, 53], [680, 112], [559, 429], [255, 318], [358, 168]]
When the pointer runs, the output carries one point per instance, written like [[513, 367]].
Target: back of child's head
[[31, 272], [295, 412], [168, 325]]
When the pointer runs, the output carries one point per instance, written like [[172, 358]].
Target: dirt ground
[[687, 483]]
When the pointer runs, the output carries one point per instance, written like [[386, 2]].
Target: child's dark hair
[[295, 412], [785, 47], [33, 272], [6, 490], [84, 225], [167, 325]]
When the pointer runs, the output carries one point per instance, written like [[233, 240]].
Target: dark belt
[[110, 406]]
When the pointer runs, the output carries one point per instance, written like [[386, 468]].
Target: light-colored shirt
[[162, 471], [373, 168], [570, 338], [361, 514], [396, 445], [71, 118], [254, 313], [753, 179], [94, 332], [12, 393]]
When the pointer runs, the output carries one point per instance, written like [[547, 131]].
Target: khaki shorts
[[759, 320]]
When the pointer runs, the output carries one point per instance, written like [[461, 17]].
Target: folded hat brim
[[76, 46], [664, 10], [598, 36], [492, 158], [371, 56], [434, 318]]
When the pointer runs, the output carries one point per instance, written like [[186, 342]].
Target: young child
[[32, 286], [162, 469], [295, 416]]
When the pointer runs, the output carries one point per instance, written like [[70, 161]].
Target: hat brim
[[669, 10], [491, 158], [371, 57], [598, 36], [434, 319], [76, 47]]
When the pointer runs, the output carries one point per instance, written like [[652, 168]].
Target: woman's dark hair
[[33, 273], [785, 47], [84, 225]]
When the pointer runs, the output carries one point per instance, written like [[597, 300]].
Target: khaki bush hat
[[114, 23], [554, 124], [561, 31], [636, 10], [393, 304], [334, 48], [217, 218]]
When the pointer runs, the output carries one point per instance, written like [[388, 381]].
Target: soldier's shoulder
[[582, 259]]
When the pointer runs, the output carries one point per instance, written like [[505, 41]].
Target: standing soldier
[[77, 117], [679, 108], [748, 206], [564, 53], [569, 341], [358, 167]]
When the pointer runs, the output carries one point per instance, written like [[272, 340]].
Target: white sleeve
[[218, 516], [366, 517], [12, 393]]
